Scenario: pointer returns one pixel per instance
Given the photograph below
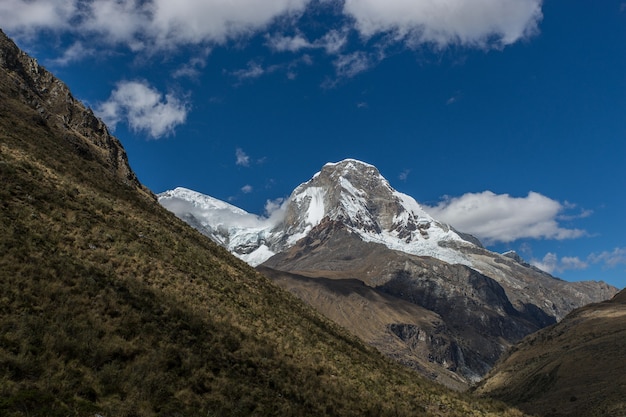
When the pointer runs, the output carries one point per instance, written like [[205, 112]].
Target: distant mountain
[[350, 192], [576, 368], [347, 222], [110, 305]]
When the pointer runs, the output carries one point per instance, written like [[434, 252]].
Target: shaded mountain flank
[[478, 316], [112, 306], [576, 368]]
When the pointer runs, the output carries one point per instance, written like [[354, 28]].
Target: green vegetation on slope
[[111, 305]]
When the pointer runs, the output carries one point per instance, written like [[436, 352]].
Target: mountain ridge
[[575, 368], [380, 214], [347, 222]]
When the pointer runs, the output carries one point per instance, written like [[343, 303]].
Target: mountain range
[[112, 306], [438, 300]]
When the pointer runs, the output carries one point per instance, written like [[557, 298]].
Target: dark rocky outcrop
[[56, 107]]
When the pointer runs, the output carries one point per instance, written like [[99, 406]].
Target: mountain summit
[[350, 192], [353, 247]]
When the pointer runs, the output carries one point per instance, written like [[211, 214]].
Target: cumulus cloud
[[502, 218], [144, 108], [479, 23]]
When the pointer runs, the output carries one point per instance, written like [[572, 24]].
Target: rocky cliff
[[25, 80]]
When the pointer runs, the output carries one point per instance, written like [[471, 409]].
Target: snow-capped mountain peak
[[350, 192], [355, 194]]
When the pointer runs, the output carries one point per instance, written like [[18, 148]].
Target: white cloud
[[610, 258], [144, 108], [281, 43], [404, 175], [502, 218], [192, 68], [349, 65], [76, 52], [167, 24], [254, 70], [472, 23], [26, 17], [247, 189], [242, 158], [332, 42], [157, 23], [161, 24], [551, 263]]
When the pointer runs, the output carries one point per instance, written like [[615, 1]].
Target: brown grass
[[111, 305]]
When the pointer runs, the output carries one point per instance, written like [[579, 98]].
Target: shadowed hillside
[[110, 305], [575, 368]]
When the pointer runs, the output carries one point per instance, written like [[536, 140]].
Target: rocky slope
[[574, 368], [347, 222], [56, 108]]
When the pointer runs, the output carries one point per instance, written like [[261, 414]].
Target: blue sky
[[505, 117]]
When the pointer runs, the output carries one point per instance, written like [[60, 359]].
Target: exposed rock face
[[574, 368], [480, 315], [368, 231], [32, 84]]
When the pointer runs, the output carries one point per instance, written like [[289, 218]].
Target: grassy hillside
[[110, 305], [575, 368]]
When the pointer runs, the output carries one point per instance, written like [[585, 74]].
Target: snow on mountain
[[242, 233], [351, 192]]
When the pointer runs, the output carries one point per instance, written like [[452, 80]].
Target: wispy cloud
[[455, 98], [610, 259], [144, 108], [241, 158], [76, 52], [256, 69], [253, 70], [332, 42], [404, 175], [551, 262], [503, 218], [351, 64], [192, 68], [247, 189]]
